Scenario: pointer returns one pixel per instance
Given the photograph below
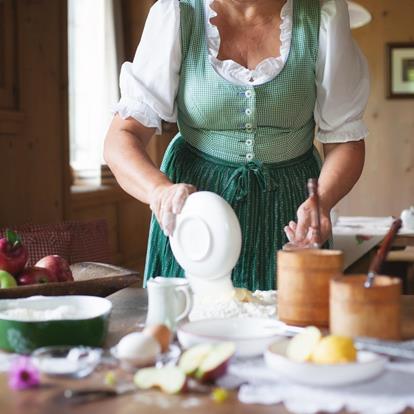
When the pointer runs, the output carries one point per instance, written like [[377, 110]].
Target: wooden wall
[[387, 184], [33, 129]]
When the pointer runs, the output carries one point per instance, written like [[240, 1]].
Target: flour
[[41, 315], [260, 304]]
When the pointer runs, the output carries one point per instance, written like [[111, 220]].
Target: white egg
[[138, 346]]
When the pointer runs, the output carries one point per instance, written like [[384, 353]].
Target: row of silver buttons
[[249, 128]]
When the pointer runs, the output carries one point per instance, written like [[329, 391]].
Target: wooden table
[[129, 309]]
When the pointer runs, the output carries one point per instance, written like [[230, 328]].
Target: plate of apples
[[53, 275]]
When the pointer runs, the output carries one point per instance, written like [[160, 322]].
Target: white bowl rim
[[182, 328]]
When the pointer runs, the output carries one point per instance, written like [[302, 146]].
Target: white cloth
[[149, 84], [390, 393]]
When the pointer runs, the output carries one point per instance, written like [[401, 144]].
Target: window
[[93, 81]]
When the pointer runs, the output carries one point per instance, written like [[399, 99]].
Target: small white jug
[[169, 301]]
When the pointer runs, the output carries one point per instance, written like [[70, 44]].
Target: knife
[[82, 396]]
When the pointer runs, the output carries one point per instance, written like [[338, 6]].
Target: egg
[[139, 347], [161, 333]]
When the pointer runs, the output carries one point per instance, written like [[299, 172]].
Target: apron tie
[[240, 181]]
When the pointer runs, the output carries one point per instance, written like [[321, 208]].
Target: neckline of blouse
[[270, 66]]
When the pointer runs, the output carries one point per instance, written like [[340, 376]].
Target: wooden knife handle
[[385, 247], [315, 214]]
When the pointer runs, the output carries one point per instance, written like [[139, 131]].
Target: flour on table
[[259, 304]]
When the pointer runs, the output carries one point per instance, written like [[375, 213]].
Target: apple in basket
[[13, 255], [58, 266], [7, 280], [34, 275]]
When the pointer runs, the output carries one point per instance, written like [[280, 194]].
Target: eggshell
[[138, 346], [161, 333]]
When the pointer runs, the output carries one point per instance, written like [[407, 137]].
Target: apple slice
[[215, 364], [192, 358], [301, 347], [171, 380]]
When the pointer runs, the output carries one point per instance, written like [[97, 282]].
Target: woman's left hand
[[300, 233]]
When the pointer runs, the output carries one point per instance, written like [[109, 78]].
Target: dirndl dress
[[251, 145]]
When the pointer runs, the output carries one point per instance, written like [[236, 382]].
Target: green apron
[[252, 145]]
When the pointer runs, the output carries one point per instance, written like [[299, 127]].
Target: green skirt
[[265, 197]]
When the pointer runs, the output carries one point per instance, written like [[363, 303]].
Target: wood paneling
[[32, 147], [8, 62], [387, 183], [134, 14]]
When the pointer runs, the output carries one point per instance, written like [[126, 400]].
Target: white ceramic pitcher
[[169, 301]]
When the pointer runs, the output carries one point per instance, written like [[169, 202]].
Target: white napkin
[[390, 393]]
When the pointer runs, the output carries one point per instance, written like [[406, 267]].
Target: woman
[[248, 81]]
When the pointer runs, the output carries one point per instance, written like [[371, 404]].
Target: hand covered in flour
[[166, 201], [300, 234]]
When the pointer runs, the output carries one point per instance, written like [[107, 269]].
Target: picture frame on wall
[[400, 70]]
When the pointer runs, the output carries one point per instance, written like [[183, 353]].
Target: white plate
[[251, 336], [368, 365], [207, 236]]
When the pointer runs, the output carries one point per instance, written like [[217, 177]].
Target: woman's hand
[[301, 233], [166, 201]]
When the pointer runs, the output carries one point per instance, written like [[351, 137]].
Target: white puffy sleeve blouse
[[149, 84]]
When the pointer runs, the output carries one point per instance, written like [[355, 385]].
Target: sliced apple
[[171, 380], [192, 358], [215, 364], [301, 347]]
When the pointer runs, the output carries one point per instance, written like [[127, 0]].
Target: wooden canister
[[359, 311], [303, 278]]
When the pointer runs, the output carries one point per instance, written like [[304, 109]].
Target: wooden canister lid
[[310, 258], [350, 288]]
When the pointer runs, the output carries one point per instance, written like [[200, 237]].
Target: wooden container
[[359, 311], [303, 278]]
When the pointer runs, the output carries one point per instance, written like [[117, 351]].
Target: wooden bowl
[[359, 311], [303, 278]]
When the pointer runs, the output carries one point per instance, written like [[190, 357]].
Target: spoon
[[381, 254]]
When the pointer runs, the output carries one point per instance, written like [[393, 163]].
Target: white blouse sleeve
[[149, 84], [342, 78]]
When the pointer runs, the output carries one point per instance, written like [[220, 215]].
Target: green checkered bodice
[[268, 123]]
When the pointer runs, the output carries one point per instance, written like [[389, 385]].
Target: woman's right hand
[[166, 201]]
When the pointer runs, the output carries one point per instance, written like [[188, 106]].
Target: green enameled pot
[[88, 327]]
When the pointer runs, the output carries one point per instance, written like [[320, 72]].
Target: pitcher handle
[[188, 302]]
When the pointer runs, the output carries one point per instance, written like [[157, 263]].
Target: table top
[[129, 310]]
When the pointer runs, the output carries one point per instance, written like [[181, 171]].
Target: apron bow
[[240, 181]]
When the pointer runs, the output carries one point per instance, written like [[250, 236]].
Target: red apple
[[58, 266], [13, 255], [34, 275], [216, 362]]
